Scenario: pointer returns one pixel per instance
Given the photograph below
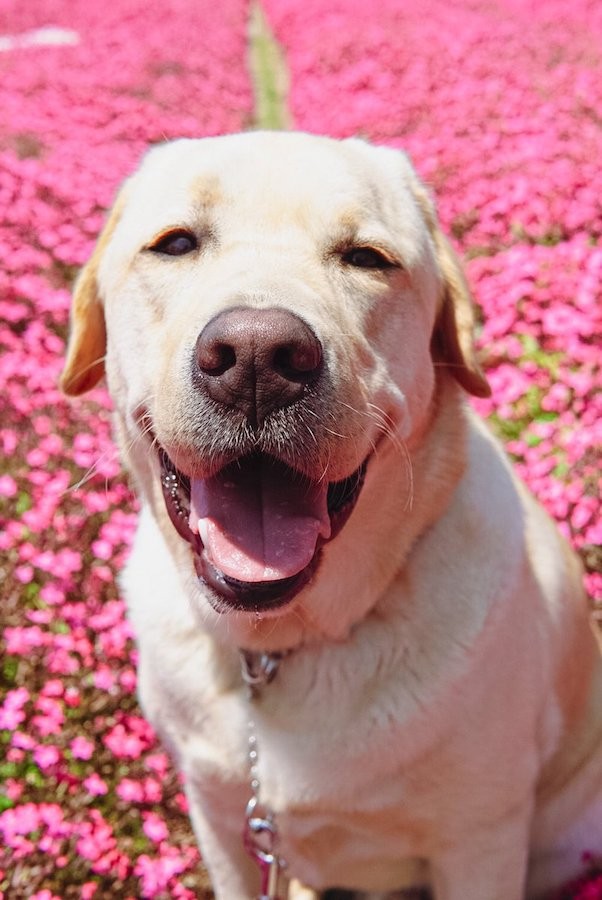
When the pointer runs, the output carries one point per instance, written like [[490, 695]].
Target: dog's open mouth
[[256, 528]]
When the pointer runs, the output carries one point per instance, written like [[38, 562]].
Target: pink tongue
[[258, 520]]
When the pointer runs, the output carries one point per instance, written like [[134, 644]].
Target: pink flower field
[[499, 103]]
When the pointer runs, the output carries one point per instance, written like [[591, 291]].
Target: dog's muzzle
[[257, 526]]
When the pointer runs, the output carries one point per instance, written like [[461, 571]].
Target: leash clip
[[260, 843]]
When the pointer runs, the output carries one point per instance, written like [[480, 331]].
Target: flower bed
[[86, 790], [500, 107]]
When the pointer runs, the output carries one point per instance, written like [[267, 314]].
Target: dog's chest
[[328, 770], [340, 817], [348, 826]]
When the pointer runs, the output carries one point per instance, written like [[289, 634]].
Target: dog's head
[[271, 310]]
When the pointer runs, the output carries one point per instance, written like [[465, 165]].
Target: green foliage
[[268, 74]]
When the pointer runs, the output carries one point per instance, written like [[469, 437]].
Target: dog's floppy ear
[[84, 365], [453, 336]]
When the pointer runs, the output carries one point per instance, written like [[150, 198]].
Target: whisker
[[108, 456], [325, 427], [91, 365]]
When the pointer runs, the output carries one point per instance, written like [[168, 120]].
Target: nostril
[[256, 360], [298, 361], [215, 357]]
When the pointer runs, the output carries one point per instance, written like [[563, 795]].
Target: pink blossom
[[53, 688], [157, 763], [130, 738], [95, 785], [20, 641], [8, 486], [96, 840], [154, 827], [72, 697], [14, 789], [81, 748], [46, 755], [152, 790], [51, 717], [23, 741], [24, 574], [155, 874], [130, 791], [104, 678], [11, 711], [102, 549], [128, 680]]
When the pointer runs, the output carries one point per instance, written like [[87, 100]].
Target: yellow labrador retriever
[[287, 337]]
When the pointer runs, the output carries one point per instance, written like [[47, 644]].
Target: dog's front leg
[[218, 821], [234, 875], [490, 865]]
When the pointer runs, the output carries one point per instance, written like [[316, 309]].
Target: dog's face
[[276, 306]]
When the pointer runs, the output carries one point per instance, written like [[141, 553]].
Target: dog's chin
[[259, 586]]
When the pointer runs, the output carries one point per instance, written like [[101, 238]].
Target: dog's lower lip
[[228, 593]]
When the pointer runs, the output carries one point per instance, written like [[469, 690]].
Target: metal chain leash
[[261, 833]]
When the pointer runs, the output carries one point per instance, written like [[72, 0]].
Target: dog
[[288, 339]]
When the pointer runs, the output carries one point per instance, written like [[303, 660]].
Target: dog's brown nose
[[257, 360]]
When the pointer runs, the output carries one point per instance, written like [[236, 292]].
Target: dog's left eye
[[175, 243], [366, 258]]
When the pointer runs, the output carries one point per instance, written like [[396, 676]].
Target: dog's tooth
[[203, 530], [192, 523]]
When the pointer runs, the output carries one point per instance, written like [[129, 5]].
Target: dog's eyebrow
[[206, 191], [353, 231], [353, 228], [350, 225]]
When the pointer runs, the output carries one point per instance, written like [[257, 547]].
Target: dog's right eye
[[366, 258], [175, 243]]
